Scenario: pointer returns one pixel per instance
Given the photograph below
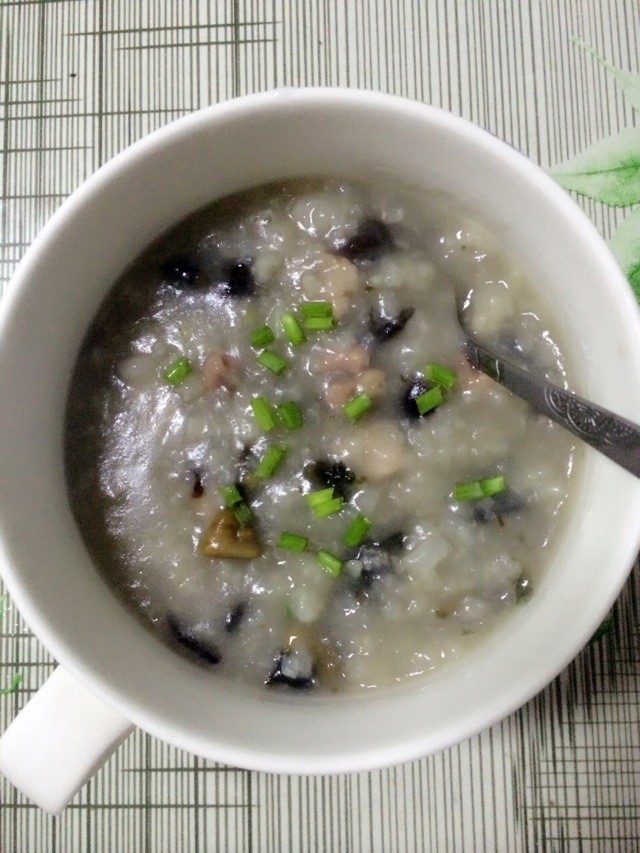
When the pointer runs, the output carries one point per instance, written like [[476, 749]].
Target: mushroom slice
[[224, 537]]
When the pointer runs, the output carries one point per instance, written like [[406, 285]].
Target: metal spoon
[[615, 436]]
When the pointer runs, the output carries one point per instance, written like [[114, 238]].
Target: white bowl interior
[[58, 289]]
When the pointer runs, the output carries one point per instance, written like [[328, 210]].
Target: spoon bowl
[[611, 434]]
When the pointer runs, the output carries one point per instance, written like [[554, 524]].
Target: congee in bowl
[[278, 456]]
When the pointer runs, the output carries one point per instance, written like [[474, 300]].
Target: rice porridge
[[278, 456]]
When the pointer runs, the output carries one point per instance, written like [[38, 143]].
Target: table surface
[[82, 79]]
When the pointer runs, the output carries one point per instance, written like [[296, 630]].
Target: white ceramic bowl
[[56, 292]]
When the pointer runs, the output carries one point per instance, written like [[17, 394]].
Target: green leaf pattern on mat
[[629, 83], [609, 172], [17, 678], [625, 245]]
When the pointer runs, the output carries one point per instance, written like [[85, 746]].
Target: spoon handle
[[612, 435]]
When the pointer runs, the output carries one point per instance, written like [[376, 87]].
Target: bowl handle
[[58, 741]]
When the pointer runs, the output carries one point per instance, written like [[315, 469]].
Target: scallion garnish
[[356, 532], [290, 415], [271, 461], [356, 407], [293, 330], [324, 503], [440, 375], [178, 370], [329, 562], [328, 507], [316, 309], [231, 495], [319, 324], [493, 485], [468, 491], [477, 489], [242, 513], [264, 413], [314, 499], [292, 542], [272, 361], [431, 399], [261, 337]]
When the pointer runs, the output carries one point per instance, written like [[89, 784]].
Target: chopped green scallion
[[231, 495], [440, 375], [328, 507], [329, 562], [293, 330], [292, 542], [431, 399], [243, 514], [468, 491], [272, 361], [178, 370], [271, 460], [356, 531], [319, 324], [264, 413], [261, 337], [316, 309], [290, 415], [493, 485], [477, 489], [315, 499], [356, 407]]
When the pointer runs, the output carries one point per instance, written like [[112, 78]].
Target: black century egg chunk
[[197, 489], [332, 473], [239, 280], [236, 279], [180, 271], [205, 650], [414, 389], [383, 328], [496, 507], [235, 617], [372, 240], [377, 561], [292, 670]]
